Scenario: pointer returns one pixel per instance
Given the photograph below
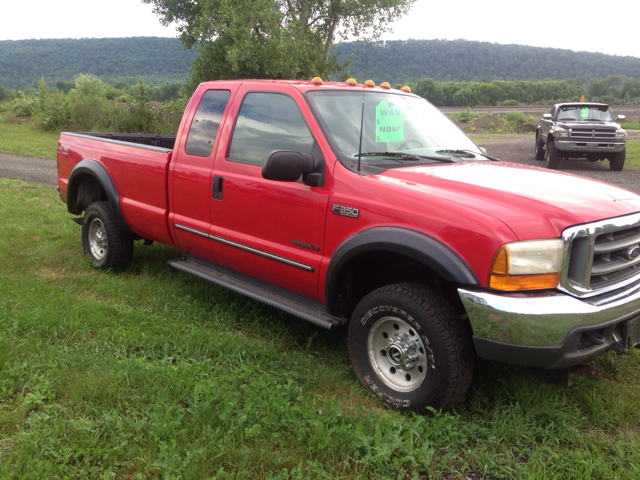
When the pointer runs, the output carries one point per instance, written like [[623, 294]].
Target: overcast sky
[[570, 25]]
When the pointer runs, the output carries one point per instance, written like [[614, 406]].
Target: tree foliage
[[273, 38], [462, 60]]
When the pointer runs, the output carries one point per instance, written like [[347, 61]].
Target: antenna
[[366, 51]]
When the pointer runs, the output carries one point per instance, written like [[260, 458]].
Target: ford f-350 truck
[[363, 206]]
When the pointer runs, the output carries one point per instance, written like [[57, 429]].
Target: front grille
[[593, 133], [601, 256]]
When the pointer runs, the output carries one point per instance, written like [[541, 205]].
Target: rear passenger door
[[272, 230]]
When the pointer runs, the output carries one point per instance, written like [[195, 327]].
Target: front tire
[[539, 150], [410, 347], [106, 246], [616, 163], [551, 156]]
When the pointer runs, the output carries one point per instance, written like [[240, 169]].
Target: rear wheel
[[410, 347], [106, 246], [551, 156], [616, 163], [539, 150]]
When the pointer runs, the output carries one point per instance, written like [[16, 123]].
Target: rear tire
[[551, 156], [616, 163], [410, 347], [106, 246], [539, 150]]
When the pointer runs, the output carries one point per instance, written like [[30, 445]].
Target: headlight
[[621, 135], [528, 265], [562, 134]]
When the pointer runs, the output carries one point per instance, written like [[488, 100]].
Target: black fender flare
[[98, 172], [425, 249]]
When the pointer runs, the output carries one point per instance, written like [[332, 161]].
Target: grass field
[[25, 140], [152, 373]]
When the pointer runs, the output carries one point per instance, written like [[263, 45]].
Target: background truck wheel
[[551, 156], [410, 347], [106, 246], [617, 161], [539, 150]]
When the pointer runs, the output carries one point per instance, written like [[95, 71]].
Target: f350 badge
[[345, 211]]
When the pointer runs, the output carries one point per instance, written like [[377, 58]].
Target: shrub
[[510, 103], [515, 117]]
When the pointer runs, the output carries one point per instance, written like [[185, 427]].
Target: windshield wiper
[[405, 156], [463, 153], [470, 154]]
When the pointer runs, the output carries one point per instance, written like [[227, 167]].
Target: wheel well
[[371, 270], [89, 190]]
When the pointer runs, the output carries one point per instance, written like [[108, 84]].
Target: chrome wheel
[[98, 239], [398, 354]]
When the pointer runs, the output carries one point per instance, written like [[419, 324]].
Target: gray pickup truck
[[581, 130]]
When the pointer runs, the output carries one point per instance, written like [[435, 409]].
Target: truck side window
[[267, 122], [206, 121]]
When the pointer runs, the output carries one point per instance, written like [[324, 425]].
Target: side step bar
[[293, 303]]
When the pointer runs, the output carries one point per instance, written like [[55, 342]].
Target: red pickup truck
[[364, 206]]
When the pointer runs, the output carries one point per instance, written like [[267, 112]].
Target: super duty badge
[[345, 211]]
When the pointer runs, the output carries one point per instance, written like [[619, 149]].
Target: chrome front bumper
[[592, 146], [546, 329]]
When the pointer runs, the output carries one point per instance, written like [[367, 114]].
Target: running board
[[293, 303]]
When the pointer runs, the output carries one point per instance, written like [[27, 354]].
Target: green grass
[[25, 140], [630, 124], [633, 155], [152, 373]]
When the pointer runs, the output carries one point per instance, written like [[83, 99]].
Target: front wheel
[[551, 155], [616, 163], [410, 347], [106, 246], [539, 149]]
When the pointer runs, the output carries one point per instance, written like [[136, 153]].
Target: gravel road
[[509, 148], [519, 149]]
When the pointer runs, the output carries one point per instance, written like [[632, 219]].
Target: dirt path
[[28, 169], [519, 149]]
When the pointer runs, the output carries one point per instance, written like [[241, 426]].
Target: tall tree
[[273, 38]]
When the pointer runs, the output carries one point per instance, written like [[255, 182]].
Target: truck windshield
[[407, 128], [585, 113]]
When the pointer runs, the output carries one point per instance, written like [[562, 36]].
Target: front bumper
[[546, 329], [578, 145]]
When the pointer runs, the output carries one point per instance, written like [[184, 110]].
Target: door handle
[[217, 188]]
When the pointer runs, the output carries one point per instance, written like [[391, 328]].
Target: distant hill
[[457, 60], [162, 60], [156, 59]]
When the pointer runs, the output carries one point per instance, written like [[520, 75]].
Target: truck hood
[[532, 202], [608, 125]]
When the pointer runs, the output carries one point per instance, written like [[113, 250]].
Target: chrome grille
[[601, 256], [594, 133]]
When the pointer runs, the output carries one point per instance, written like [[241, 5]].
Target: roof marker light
[[406, 88], [316, 80], [385, 85], [369, 83], [351, 81]]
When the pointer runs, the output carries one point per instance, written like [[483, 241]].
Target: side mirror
[[287, 165], [620, 117], [547, 116]]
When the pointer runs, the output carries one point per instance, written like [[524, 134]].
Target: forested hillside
[[456, 60], [162, 60], [156, 59]]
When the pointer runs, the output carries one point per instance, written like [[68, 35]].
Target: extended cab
[[356, 205], [581, 130]]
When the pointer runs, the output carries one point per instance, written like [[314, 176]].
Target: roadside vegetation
[[153, 373]]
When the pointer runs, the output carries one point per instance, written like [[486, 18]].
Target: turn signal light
[[524, 282]]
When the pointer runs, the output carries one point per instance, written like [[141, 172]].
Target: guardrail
[[632, 111]]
